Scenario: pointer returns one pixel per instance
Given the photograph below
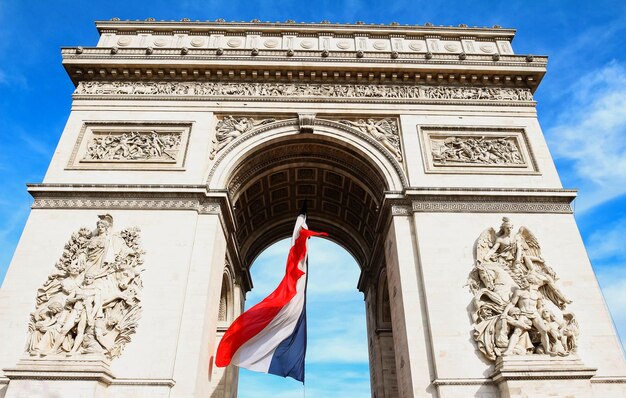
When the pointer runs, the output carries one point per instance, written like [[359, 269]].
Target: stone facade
[[194, 143]]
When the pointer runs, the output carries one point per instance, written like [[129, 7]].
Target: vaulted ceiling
[[343, 192]]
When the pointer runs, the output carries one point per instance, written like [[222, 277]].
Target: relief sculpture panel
[[459, 150], [131, 146], [134, 146], [90, 303], [518, 308]]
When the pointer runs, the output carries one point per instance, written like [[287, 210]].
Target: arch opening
[[343, 188], [337, 360], [344, 178]]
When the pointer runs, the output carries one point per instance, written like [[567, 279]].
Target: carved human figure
[[518, 341], [86, 305], [383, 131], [42, 321], [231, 128], [569, 332], [511, 276], [529, 301], [479, 150], [103, 248], [92, 296], [506, 249], [133, 146], [100, 336], [554, 334]]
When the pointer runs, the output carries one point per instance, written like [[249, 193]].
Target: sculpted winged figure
[[517, 308], [231, 128]]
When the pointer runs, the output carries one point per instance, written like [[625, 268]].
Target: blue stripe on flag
[[288, 359]]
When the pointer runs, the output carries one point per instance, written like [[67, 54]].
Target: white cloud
[[590, 135]]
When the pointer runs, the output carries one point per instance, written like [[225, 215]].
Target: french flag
[[271, 336]]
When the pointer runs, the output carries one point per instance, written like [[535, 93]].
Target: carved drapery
[[90, 304], [517, 308]]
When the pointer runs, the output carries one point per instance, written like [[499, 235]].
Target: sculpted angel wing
[[484, 243], [389, 130], [225, 127], [530, 245]]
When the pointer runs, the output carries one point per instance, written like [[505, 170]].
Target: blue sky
[[581, 103]]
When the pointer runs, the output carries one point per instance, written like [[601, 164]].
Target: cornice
[[480, 200], [97, 63], [293, 27]]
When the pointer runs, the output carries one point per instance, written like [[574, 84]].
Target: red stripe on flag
[[253, 321]]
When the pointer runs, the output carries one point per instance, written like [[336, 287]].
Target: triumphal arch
[[188, 150]]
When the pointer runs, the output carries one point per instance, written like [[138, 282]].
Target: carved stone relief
[[479, 150], [385, 131], [299, 91], [90, 304], [517, 308], [230, 128], [452, 149], [133, 146], [127, 145]]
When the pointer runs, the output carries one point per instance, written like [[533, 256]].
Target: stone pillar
[[196, 341], [383, 375], [408, 309]]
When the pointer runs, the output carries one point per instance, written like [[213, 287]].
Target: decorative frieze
[[90, 304], [491, 205], [302, 91], [518, 308], [458, 149], [131, 146], [202, 207]]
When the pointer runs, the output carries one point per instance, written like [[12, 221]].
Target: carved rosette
[[517, 308], [90, 304]]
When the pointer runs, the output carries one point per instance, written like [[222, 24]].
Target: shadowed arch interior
[[343, 190]]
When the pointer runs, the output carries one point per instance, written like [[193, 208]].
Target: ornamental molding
[[492, 204], [401, 209], [500, 201], [202, 207], [306, 92]]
